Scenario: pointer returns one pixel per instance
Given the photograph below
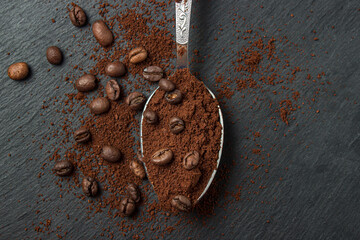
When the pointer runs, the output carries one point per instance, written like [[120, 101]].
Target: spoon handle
[[182, 27]]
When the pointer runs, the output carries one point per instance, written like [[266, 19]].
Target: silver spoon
[[183, 12]]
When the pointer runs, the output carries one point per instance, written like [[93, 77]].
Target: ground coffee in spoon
[[201, 133]]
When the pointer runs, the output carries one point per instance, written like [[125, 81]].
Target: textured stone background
[[319, 196]]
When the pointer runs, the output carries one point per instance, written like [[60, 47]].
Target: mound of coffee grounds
[[202, 133]]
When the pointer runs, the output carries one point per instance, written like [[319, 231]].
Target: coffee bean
[[111, 154], [166, 85], [174, 97], [176, 124], [86, 83], [153, 73], [139, 156], [115, 69], [18, 71], [90, 186], [162, 157], [191, 160], [63, 168], [127, 206], [138, 55], [190, 179], [112, 90], [54, 55], [133, 192], [102, 33], [136, 100], [150, 116], [181, 202], [138, 169], [82, 135], [77, 16], [99, 105]]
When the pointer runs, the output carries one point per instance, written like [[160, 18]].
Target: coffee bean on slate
[[77, 16], [102, 33], [150, 116], [115, 69], [136, 100], [133, 192], [153, 73], [138, 55], [86, 83], [90, 186], [174, 97], [54, 55], [181, 202], [127, 206], [111, 154], [138, 169], [162, 157], [63, 168], [112, 90], [176, 125], [166, 85], [18, 71], [82, 135], [99, 105], [191, 160]]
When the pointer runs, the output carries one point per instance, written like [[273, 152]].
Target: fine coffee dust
[[202, 133]]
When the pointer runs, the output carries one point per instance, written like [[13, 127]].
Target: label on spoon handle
[[183, 12]]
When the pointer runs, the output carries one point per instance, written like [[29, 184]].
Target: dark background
[[319, 195]]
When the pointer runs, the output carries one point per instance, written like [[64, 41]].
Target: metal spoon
[[183, 12]]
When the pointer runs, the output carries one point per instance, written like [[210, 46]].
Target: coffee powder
[[202, 133]]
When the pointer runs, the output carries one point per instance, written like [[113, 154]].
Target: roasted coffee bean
[[127, 206], [99, 105], [90, 186], [189, 180], [136, 100], [166, 85], [111, 154], [82, 135], [86, 83], [63, 168], [153, 73], [77, 16], [150, 116], [162, 157], [181, 202], [138, 169], [18, 71], [112, 90], [139, 156], [54, 55], [102, 33], [115, 69], [133, 192], [174, 97], [176, 125], [191, 160], [138, 55]]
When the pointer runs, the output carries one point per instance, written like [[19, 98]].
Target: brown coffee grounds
[[255, 77], [202, 133]]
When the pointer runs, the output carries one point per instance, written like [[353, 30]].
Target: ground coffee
[[201, 133]]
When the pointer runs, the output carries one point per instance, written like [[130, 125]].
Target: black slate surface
[[319, 195]]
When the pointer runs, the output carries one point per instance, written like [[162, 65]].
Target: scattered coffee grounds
[[202, 133], [263, 66]]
